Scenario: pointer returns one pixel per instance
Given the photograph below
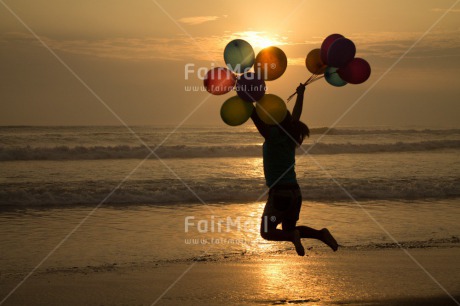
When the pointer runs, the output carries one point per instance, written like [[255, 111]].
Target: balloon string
[[316, 79], [305, 84], [311, 79]]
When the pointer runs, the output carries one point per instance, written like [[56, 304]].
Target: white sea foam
[[184, 151], [221, 191], [55, 165]]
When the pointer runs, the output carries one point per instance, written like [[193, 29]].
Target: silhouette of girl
[[284, 196]]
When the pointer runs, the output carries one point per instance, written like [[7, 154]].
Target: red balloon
[[356, 72], [219, 81], [327, 44], [250, 87], [341, 52]]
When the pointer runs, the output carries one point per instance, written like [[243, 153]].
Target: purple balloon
[[341, 52], [250, 87], [327, 44], [356, 72]]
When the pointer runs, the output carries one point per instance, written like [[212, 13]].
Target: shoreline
[[24, 208], [350, 277]]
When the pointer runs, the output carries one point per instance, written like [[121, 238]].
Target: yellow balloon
[[314, 62], [271, 109], [236, 111], [270, 63]]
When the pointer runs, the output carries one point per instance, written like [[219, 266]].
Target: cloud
[[387, 45], [442, 10], [195, 20], [394, 44], [210, 48], [175, 48], [296, 61]]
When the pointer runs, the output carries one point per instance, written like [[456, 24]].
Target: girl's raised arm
[[297, 111]]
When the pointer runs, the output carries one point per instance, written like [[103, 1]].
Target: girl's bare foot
[[327, 238], [298, 244]]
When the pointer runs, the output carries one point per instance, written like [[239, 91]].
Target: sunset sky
[[132, 54]]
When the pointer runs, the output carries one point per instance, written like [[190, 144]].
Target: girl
[[284, 197]]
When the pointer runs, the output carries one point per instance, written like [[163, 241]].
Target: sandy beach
[[348, 277]]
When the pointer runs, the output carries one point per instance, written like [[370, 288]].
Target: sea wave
[[184, 151], [351, 131], [452, 241], [166, 192]]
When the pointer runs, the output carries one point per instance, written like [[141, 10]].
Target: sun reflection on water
[[288, 280]]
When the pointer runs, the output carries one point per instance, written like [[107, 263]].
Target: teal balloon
[[333, 78], [236, 111], [239, 56]]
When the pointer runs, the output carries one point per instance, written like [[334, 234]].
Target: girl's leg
[[269, 231], [323, 235]]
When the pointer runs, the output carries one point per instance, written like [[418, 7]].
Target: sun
[[260, 40]]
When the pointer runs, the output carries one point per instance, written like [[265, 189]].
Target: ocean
[[362, 183]]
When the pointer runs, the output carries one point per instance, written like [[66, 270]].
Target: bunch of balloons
[[269, 64], [336, 62]]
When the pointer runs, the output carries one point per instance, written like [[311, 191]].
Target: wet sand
[[347, 277]]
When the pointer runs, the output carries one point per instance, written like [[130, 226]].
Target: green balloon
[[333, 78], [239, 56], [236, 111], [271, 109]]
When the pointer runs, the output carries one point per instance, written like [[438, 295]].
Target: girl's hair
[[296, 129]]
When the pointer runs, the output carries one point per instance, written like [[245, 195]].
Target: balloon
[[235, 111], [219, 81], [314, 63], [271, 109], [239, 55], [356, 72], [333, 78], [327, 44], [270, 63], [341, 52], [250, 87]]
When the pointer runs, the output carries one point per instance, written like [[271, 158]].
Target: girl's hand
[[300, 89]]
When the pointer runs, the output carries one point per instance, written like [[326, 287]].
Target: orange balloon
[[270, 63], [314, 62]]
